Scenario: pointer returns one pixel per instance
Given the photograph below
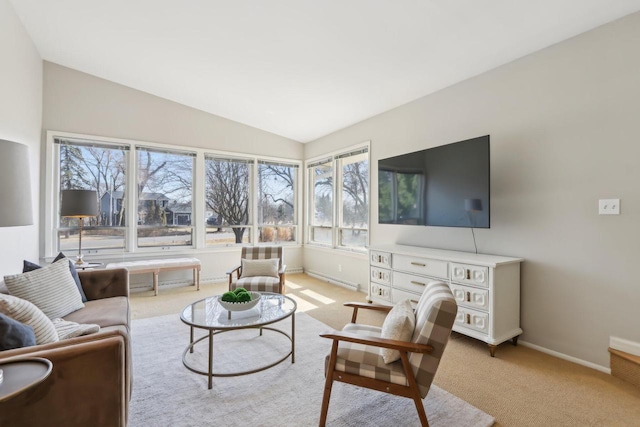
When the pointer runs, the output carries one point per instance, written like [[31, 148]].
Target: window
[[227, 199], [321, 202], [354, 212], [164, 184], [344, 223], [157, 197], [86, 165], [276, 202]]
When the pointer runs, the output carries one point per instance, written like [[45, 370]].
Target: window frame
[[335, 158], [51, 188]]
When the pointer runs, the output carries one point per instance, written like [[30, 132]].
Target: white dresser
[[486, 287]]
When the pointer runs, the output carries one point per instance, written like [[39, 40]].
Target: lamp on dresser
[[79, 204], [15, 185]]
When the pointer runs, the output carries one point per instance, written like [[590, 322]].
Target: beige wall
[[20, 118], [565, 128], [78, 102]]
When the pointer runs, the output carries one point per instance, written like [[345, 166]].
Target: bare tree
[[227, 187]]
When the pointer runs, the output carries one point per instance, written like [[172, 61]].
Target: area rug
[[165, 393]]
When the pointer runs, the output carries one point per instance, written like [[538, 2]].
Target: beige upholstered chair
[[355, 354], [259, 276]]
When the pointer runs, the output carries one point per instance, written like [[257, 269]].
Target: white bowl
[[240, 306]]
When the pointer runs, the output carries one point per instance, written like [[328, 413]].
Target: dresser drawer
[[472, 319], [380, 275], [380, 259], [380, 292], [423, 266], [470, 297], [398, 295], [410, 282], [470, 274]]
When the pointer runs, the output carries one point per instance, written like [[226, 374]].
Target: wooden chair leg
[[413, 386], [328, 384]]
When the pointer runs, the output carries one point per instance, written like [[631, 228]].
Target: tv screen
[[445, 186]]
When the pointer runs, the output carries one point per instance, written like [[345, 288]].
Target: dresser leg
[[514, 340], [492, 350]]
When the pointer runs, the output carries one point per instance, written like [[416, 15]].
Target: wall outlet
[[340, 267], [609, 207]]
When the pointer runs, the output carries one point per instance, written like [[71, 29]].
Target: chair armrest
[[91, 373], [234, 269], [379, 342], [367, 306], [282, 269], [105, 283]]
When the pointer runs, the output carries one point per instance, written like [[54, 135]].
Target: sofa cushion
[[24, 312], [398, 325], [14, 334], [51, 288], [104, 312], [30, 266], [260, 267], [67, 329]]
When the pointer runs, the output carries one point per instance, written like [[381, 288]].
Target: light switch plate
[[609, 207]]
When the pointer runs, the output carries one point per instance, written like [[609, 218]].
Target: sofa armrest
[[111, 282], [87, 385]]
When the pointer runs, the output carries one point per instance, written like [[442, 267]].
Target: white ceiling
[[300, 68]]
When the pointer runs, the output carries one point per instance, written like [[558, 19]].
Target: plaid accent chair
[[260, 282], [355, 354]]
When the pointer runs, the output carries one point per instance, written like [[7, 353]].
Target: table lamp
[[79, 204]]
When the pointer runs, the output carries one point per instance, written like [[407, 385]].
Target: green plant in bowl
[[244, 297], [238, 290], [229, 297]]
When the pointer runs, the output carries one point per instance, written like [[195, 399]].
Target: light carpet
[[165, 393]]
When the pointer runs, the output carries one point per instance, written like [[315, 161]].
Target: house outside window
[[338, 202], [164, 197]]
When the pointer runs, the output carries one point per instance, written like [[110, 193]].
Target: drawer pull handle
[[415, 301], [379, 258], [418, 283], [468, 274], [468, 319], [468, 296], [419, 264]]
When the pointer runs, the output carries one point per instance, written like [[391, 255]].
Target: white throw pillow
[[398, 325], [51, 288], [260, 267], [24, 312], [67, 329]]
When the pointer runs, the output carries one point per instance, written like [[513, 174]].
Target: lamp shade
[[79, 203], [15, 185], [472, 205]]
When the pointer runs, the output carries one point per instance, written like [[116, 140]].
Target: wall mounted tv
[[445, 186]]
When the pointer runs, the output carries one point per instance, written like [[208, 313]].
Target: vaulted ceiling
[[301, 68]]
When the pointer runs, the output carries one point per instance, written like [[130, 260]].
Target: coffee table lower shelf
[[212, 374]]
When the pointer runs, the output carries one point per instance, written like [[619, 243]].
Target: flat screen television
[[445, 186]]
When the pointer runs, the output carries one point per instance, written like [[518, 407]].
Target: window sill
[[360, 254]]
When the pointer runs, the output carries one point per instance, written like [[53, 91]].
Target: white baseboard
[[627, 346], [334, 280], [566, 357]]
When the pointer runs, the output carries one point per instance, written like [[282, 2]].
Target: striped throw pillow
[[51, 288], [24, 312], [67, 329]]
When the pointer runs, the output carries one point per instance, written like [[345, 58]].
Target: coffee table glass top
[[209, 314]]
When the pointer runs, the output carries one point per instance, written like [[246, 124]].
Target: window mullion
[[131, 211]]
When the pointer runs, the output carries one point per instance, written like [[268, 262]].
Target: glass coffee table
[[209, 315]]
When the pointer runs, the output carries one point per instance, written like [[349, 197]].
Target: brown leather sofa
[[90, 384]]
